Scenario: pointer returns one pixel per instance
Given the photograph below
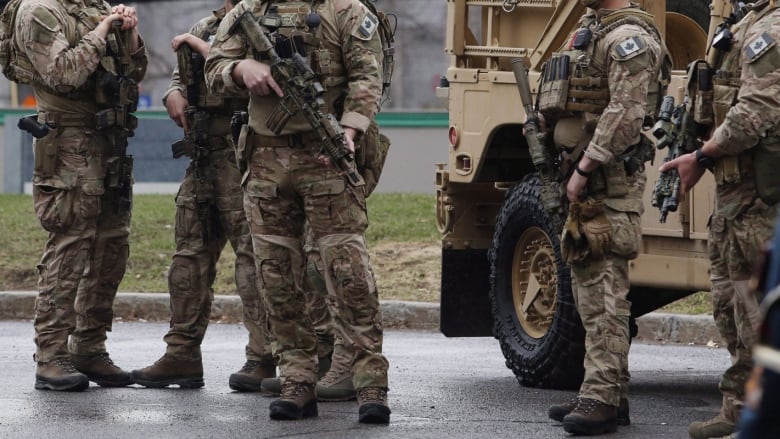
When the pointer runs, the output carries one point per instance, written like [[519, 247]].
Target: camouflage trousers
[[209, 214], [600, 290], [734, 246], [86, 253], [287, 187]]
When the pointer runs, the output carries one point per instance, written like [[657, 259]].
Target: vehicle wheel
[[698, 10], [534, 316]]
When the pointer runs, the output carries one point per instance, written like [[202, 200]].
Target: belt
[[67, 119], [295, 140]]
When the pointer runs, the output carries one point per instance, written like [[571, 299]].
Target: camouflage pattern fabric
[[629, 57], [214, 178], [288, 185], [87, 249], [742, 222]]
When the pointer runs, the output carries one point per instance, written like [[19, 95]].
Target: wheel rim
[[534, 282]]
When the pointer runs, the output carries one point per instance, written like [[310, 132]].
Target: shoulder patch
[[628, 48], [758, 46], [368, 26]]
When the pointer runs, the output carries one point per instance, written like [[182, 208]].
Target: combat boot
[[372, 405], [591, 417], [101, 369], [716, 427], [251, 376], [273, 386], [336, 385], [186, 373], [59, 374], [296, 401], [558, 411]]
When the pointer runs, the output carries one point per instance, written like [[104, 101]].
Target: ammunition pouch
[[729, 169], [117, 117], [588, 94], [553, 92], [119, 178], [45, 154], [370, 155], [766, 162]]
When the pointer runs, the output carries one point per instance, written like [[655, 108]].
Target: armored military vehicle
[[502, 272]]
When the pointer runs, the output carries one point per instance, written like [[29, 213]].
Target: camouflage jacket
[[752, 122], [65, 51], [344, 52]]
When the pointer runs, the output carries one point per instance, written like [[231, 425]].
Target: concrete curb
[[653, 327]]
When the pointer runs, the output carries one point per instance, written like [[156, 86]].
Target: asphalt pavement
[[439, 387]]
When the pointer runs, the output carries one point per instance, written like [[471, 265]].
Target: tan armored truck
[[502, 272]]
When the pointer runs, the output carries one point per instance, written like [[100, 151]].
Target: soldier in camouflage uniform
[[62, 52], [618, 47], [744, 154], [209, 213], [288, 183]]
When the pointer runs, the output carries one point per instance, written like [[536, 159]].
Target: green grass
[[402, 237], [393, 218]]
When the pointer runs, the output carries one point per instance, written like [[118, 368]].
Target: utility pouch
[[766, 162], [724, 97], [615, 180], [727, 170], [181, 148], [45, 154], [703, 111]]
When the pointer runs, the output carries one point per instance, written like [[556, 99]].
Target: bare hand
[[575, 188], [688, 168], [176, 104], [195, 43], [350, 134], [127, 15], [256, 77]]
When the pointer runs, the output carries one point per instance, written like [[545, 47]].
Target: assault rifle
[[190, 76], [302, 93], [120, 92], [540, 155], [195, 143], [676, 131]]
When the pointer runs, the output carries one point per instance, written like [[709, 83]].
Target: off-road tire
[[697, 10], [543, 348]]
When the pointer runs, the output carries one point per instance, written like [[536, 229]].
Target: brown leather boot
[[296, 401], [186, 373], [591, 417], [716, 427], [558, 411], [59, 374], [251, 376], [273, 386], [372, 405], [100, 369], [336, 385]]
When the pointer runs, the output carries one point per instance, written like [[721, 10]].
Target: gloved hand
[[594, 225], [573, 244]]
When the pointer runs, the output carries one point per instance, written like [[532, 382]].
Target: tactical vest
[[295, 35], [571, 84], [18, 68]]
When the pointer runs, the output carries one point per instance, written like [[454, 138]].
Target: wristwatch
[[704, 161]]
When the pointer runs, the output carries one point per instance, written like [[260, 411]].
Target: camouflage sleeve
[[175, 84], [630, 69], [226, 51], [361, 48], [757, 111], [41, 36], [140, 61]]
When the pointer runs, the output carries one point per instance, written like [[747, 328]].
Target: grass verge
[[402, 239]]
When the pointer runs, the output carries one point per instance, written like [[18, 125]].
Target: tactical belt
[[296, 140], [57, 120]]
